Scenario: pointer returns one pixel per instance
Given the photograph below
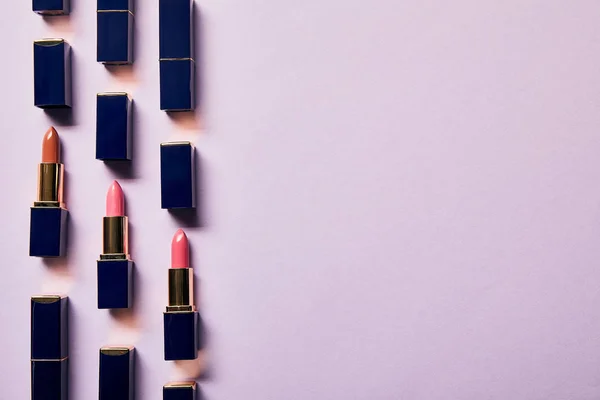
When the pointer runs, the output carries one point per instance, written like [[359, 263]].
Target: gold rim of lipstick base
[[50, 185], [181, 290], [115, 238]]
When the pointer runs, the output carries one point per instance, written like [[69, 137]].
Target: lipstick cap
[[115, 284], [179, 391], [49, 327], [177, 85], [115, 32], [48, 232], [177, 176], [175, 27], [51, 7], [49, 347], [113, 126], [52, 73], [181, 335], [116, 373]]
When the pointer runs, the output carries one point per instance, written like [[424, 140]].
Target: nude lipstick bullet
[[115, 266], [181, 317], [48, 229]]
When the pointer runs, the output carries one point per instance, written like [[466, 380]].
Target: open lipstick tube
[[115, 266], [48, 228], [181, 317]]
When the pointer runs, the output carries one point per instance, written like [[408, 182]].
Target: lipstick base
[[49, 379], [181, 335], [115, 284], [48, 232]]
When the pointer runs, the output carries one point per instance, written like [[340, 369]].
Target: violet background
[[400, 200]]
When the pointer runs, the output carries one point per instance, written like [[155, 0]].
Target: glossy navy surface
[[51, 7], [48, 232], [177, 87], [52, 74], [49, 348], [115, 284], [116, 376], [177, 175], [115, 37], [115, 5], [181, 335], [49, 379], [175, 27], [49, 329], [113, 127], [187, 392]]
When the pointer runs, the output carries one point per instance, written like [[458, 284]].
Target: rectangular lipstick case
[[52, 73], [115, 31], [51, 7], [179, 391], [48, 231], [116, 379], [113, 126], [115, 284], [177, 66], [181, 335], [177, 175], [49, 347]]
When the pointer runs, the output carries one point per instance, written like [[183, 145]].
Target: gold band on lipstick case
[[50, 185], [181, 290], [115, 239], [116, 350]]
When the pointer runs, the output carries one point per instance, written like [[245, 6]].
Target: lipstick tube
[[176, 55], [115, 32], [113, 126], [49, 347], [181, 317], [115, 266], [177, 175], [52, 73], [116, 373], [48, 225]]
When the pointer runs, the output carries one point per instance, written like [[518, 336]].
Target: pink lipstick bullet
[[115, 201], [180, 250]]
